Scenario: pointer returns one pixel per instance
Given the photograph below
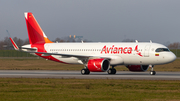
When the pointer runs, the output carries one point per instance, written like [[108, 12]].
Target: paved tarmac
[[92, 75]]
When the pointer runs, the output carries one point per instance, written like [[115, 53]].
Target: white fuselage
[[118, 53]]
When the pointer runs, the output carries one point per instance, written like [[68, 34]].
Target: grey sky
[[96, 20]]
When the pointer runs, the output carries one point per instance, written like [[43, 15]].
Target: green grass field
[[42, 64], [28, 89], [14, 53]]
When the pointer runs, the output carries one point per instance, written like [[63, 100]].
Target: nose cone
[[171, 57]]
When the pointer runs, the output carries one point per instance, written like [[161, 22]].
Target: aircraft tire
[[111, 71], [114, 71], [153, 72], [85, 71]]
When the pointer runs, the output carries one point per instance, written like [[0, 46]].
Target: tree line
[[6, 44]]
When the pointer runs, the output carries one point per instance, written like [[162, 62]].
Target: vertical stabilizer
[[35, 33]]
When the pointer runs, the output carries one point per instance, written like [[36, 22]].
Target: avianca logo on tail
[[119, 50]]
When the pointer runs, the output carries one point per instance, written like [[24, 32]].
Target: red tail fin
[[35, 33]]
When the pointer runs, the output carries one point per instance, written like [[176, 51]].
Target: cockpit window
[[162, 50]]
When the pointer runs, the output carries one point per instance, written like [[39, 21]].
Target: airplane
[[95, 56]]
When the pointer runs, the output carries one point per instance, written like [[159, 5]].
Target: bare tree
[[175, 45], [59, 40], [1, 45], [6, 43], [26, 41]]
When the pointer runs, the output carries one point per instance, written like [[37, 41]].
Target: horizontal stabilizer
[[29, 49]]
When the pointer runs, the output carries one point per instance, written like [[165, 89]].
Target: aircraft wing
[[63, 55], [71, 55]]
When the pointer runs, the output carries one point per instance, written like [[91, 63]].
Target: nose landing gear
[[152, 72]]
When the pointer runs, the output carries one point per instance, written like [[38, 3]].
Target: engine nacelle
[[98, 65], [138, 68]]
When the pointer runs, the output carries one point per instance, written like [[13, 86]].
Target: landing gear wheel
[[85, 71], [153, 72], [111, 71]]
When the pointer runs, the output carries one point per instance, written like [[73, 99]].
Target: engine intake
[[98, 65], [138, 68]]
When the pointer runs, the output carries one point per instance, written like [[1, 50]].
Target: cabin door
[[146, 50]]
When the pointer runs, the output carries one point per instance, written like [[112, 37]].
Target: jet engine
[[98, 65], [138, 68]]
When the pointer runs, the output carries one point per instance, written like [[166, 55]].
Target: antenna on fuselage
[[150, 41], [136, 41]]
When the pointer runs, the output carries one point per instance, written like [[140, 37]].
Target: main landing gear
[[85, 71], [152, 72], [112, 70]]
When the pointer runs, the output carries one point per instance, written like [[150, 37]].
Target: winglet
[[14, 44], [12, 41]]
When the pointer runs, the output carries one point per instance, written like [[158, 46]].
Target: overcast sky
[[95, 20]]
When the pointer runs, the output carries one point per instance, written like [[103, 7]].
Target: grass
[[42, 64], [21, 89], [14, 53], [35, 64]]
